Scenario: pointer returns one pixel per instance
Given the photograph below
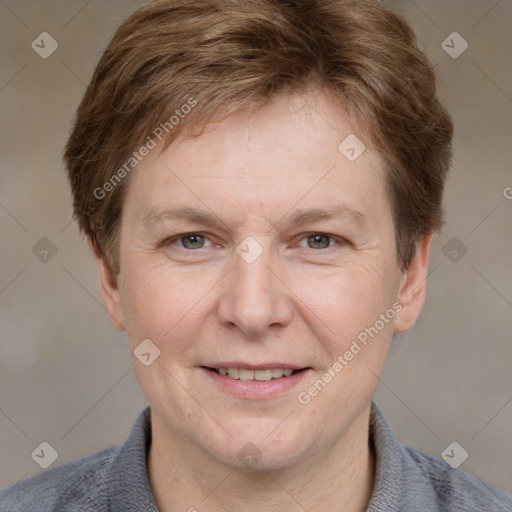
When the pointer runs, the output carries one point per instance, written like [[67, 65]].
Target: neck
[[340, 477]]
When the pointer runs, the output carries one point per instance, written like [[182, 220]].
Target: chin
[[265, 454]]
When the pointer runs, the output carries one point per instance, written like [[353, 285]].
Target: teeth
[[260, 375], [233, 373], [246, 374], [263, 374]]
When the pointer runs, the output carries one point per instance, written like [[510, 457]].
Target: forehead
[[297, 151]]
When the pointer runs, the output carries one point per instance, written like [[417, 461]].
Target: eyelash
[[338, 240]]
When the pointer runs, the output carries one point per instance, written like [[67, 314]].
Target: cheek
[[162, 303], [348, 299]]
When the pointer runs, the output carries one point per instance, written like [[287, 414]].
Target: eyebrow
[[299, 217]]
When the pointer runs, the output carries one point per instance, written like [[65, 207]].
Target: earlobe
[[411, 294], [109, 289]]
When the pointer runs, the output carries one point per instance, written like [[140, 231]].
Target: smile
[[260, 375], [255, 383]]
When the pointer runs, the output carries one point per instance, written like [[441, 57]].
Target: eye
[[194, 241], [189, 241], [319, 241]]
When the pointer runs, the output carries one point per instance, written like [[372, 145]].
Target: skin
[[302, 301]]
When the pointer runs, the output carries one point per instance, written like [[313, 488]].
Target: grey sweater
[[115, 480]]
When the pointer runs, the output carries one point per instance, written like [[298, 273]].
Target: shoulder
[[454, 489], [410, 480], [80, 485]]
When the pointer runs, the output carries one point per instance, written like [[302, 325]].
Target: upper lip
[[259, 366]]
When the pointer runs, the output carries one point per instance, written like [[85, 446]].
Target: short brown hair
[[226, 55]]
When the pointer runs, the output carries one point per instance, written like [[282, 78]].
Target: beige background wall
[[65, 374]]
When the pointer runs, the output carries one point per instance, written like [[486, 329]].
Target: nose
[[255, 296]]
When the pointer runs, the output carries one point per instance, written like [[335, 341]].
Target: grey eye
[[192, 241], [318, 241]]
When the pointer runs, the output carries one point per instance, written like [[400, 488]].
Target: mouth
[[260, 375], [263, 381]]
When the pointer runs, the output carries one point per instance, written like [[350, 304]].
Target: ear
[[109, 289], [411, 294]]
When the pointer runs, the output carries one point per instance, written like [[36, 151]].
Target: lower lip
[[255, 389]]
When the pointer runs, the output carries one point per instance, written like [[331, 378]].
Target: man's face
[[265, 286]]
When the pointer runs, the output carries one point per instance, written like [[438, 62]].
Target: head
[[241, 109]]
